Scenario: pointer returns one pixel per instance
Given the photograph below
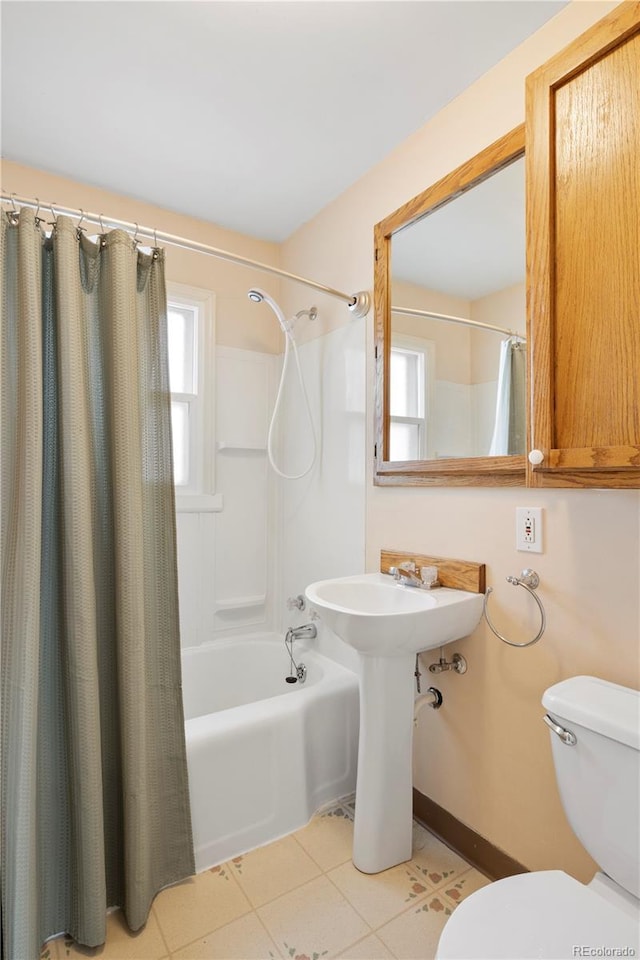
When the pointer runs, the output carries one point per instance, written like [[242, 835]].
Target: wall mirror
[[451, 327]]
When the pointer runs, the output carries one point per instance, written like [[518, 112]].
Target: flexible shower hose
[[290, 345]]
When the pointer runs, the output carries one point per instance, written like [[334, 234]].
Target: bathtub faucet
[[307, 631]]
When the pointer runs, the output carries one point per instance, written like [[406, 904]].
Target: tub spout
[[307, 631]]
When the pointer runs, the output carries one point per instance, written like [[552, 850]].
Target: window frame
[[199, 494], [426, 348]]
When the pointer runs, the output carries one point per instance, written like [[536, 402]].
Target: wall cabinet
[[581, 147], [583, 259]]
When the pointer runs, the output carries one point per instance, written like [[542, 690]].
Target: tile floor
[[299, 898]]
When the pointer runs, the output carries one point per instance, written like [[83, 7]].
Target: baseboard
[[490, 860]]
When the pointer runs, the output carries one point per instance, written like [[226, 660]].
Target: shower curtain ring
[[103, 232], [156, 252], [79, 228], [135, 236], [54, 219], [13, 214], [37, 211]]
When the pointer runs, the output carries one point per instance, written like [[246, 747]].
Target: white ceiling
[[253, 115]]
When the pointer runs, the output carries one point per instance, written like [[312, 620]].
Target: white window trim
[[428, 349], [200, 496]]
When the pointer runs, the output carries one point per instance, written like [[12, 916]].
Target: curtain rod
[[409, 312], [358, 303]]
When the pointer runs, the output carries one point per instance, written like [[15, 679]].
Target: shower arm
[[359, 303]]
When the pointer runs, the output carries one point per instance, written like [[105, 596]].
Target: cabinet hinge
[[376, 253], [375, 352], [375, 451]]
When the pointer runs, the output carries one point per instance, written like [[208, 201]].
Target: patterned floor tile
[[274, 904], [463, 885], [380, 896], [433, 859], [414, 934], [328, 838], [371, 948], [313, 921], [243, 939], [268, 872], [199, 906]]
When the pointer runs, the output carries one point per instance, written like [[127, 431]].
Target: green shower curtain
[[95, 804], [510, 430]]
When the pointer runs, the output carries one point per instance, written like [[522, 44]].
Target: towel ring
[[528, 579]]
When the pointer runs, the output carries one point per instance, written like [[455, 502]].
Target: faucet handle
[[429, 576], [296, 603], [407, 565]]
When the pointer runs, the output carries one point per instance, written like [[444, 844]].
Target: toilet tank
[[599, 776]]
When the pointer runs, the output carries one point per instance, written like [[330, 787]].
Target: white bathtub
[[263, 754]]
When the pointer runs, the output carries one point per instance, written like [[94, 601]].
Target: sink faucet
[[406, 574]]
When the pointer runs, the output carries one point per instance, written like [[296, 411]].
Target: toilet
[[595, 739]]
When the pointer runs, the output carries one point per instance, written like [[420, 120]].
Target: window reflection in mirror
[[456, 390], [411, 398]]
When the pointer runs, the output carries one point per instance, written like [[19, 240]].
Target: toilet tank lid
[[606, 708]]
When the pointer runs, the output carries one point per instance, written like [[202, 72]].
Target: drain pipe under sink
[[432, 696]]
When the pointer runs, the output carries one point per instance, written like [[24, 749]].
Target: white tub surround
[[263, 755]]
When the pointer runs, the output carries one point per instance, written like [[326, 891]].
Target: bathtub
[[263, 754]]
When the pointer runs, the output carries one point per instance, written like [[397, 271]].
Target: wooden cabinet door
[[583, 258]]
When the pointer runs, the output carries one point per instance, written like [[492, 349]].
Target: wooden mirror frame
[[452, 471]]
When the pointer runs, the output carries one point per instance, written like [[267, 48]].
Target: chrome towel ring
[[528, 579]]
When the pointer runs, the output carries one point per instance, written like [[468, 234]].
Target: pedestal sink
[[388, 623]]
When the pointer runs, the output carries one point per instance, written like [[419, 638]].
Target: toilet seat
[[542, 914]]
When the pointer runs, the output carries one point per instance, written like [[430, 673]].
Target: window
[[182, 321], [411, 382], [190, 330]]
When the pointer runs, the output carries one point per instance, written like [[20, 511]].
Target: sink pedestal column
[[384, 799]]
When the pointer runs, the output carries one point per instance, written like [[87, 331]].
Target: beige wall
[[463, 355], [505, 308], [486, 755], [239, 323], [451, 340]]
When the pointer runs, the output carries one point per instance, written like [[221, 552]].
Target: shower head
[[258, 296]]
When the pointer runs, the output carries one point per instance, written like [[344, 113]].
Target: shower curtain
[[95, 805], [509, 432]]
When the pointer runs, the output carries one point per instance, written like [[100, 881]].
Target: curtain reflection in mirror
[[509, 433]]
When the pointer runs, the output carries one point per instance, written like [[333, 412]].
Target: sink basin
[[380, 617], [388, 624]]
